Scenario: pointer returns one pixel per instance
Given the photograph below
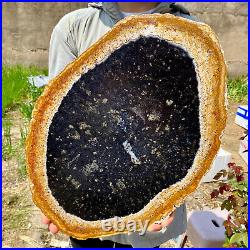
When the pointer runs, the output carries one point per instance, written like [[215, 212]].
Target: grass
[[7, 146], [237, 89], [27, 105], [13, 147], [21, 152], [15, 86], [17, 93]]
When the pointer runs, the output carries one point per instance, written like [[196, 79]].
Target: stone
[[128, 129]]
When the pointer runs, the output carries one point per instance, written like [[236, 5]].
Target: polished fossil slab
[[127, 129], [130, 127]]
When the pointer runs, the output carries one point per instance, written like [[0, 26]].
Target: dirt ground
[[21, 219]]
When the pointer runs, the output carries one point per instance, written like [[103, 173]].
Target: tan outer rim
[[201, 43]]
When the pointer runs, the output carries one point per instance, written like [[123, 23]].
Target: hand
[[52, 228], [157, 226]]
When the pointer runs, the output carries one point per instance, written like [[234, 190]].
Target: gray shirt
[[74, 34]]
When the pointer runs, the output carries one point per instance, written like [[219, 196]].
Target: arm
[[61, 52]]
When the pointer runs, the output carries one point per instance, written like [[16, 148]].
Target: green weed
[[237, 89], [20, 152], [7, 145], [14, 148], [27, 106], [15, 86]]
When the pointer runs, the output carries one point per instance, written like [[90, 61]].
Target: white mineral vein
[[74, 159], [128, 149]]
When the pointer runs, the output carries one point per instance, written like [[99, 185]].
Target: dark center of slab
[[126, 130]]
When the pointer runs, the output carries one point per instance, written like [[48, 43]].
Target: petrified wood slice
[[130, 127]]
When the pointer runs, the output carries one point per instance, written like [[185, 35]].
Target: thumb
[[45, 220], [53, 228]]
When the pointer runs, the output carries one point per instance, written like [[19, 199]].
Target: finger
[[53, 228], [45, 220], [167, 221], [155, 227]]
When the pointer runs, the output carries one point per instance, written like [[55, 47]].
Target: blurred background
[[20, 23]]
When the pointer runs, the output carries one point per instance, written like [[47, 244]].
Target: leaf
[[224, 172], [239, 238], [231, 164], [227, 187], [227, 242], [239, 178], [214, 194], [229, 231], [237, 205], [230, 176], [245, 239], [221, 190], [238, 170], [226, 205], [224, 187], [242, 187], [233, 183], [217, 176], [231, 197]]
